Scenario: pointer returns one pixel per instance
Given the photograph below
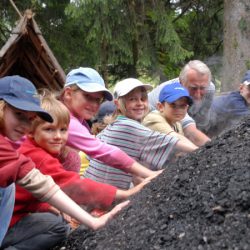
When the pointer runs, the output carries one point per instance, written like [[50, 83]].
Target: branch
[[16, 9]]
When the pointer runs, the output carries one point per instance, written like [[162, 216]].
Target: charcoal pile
[[200, 202]]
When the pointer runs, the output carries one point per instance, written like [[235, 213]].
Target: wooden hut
[[27, 54]]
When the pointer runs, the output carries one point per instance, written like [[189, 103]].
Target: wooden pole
[[14, 6]]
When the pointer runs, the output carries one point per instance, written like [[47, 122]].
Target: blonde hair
[[122, 103], [97, 127], [54, 107], [60, 95]]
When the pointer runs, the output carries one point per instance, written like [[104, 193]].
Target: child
[[83, 94], [19, 105], [172, 107], [43, 145], [102, 119], [151, 148]]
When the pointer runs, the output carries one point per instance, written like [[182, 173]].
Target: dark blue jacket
[[227, 110]]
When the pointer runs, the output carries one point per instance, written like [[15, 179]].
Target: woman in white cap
[[150, 148], [83, 94]]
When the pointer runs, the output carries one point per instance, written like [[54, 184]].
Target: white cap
[[246, 83], [125, 86]]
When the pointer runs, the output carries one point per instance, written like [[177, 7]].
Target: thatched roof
[[26, 53]]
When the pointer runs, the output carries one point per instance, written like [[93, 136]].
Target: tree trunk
[[236, 59]]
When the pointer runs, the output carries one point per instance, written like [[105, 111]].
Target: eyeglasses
[[176, 106], [196, 88]]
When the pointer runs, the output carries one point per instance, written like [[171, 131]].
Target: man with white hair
[[228, 109], [196, 78]]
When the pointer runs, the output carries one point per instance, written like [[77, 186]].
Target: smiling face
[[50, 136], [174, 112], [81, 104], [135, 104], [197, 84], [17, 123]]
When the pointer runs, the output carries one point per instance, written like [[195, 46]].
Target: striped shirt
[[150, 148]]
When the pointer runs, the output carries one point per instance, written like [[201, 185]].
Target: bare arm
[[195, 135], [125, 194], [61, 201], [190, 146], [140, 171], [44, 188]]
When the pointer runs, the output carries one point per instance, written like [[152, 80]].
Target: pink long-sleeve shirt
[[81, 139]]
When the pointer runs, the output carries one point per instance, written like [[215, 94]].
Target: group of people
[[46, 138]]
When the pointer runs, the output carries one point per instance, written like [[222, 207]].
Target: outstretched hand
[[104, 219], [118, 208], [156, 173]]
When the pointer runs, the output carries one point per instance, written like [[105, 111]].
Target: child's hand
[[139, 186], [156, 173], [103, 220], [118, 208], [125, 194]]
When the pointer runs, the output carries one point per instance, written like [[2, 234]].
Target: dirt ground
[[200, 202]]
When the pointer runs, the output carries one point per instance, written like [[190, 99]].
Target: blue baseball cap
[[88, 80], [20, 93], [174, 91], [246, 78]]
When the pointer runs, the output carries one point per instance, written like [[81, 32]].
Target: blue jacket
[[227, 110]]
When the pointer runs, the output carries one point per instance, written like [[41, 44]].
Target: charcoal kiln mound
[[200, 202]]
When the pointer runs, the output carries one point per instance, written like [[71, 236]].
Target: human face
[[174, 112], [82, 104], [17, 122], [136, 104], [196, 84], [50, 136], [245, 92]]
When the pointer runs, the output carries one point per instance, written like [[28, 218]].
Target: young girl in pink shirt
[[83, 94]]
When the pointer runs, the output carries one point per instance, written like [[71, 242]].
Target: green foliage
[[135, 34], [124, 38]]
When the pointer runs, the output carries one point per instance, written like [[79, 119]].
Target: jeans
[[37, 231], [7, 200]]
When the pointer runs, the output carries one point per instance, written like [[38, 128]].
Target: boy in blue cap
[[172, 107]]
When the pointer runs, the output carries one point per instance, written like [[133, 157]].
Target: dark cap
[[106, 108], [20, 93]]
